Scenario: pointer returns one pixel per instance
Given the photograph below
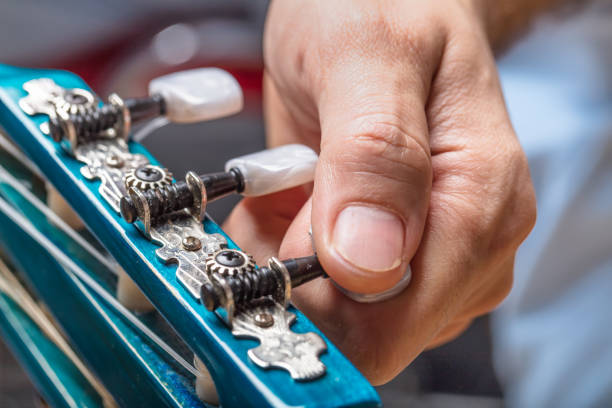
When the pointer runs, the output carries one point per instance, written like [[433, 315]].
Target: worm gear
[[75, 101], [147, 177], [229, 262]]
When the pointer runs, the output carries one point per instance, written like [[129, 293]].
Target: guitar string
[[13, 288], [61, 257], [57, 220], [111, 265], [18, 155], [145, 130]]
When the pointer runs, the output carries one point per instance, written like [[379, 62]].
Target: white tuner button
[[198, 94], [275, 169]]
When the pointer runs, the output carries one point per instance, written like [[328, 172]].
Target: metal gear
[[229, 262], [147, 177], [75, 101]]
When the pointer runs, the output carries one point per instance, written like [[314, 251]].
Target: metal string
[[67, 262]]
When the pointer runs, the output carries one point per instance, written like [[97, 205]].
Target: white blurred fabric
[[553, 335]]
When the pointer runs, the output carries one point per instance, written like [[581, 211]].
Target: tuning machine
[[182, 97], [255, 174], [233, 291]]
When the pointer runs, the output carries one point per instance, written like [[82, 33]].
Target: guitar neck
[[60, 269], [239, 380]]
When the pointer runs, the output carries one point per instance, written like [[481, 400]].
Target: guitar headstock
[[156, 228]]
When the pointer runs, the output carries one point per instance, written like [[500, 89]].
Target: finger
[[258, 224], [491, 292], [373, 179], [481, 209], [281, 125], [449, 333], [481, 204], [365, 333]]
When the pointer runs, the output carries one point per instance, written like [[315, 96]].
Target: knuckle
[[499, 291], [467, 68], [450, 332], [506, 181], [383, 149], [527, 197], [522, 203], [466, 76], [504, 287]]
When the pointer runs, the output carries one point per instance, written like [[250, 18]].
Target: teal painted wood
[[127, 364], [239, 381], [53, 374], [155, 378]]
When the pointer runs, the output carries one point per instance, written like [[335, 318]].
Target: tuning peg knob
[[255, 174], [274, 170], [198, 94], [182, 97]]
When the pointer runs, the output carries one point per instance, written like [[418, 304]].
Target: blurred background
[[119, 46]]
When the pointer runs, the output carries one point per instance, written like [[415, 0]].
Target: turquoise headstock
[[133, 357], [297, 365]]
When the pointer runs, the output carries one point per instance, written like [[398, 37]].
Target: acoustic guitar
[[141, 299]]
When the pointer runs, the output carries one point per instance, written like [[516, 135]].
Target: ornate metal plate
[[108, 160], [171, 234], [279, 346]]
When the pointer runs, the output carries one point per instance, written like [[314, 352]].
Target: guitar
[[234, 319]]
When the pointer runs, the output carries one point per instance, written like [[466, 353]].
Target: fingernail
[[370, 238]]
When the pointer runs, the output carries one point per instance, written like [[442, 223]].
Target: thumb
[[373, 179]]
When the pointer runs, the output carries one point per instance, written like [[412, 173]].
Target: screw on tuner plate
[[229, 262], [256, 174], [233, 291], [182, 97], [147, 177]]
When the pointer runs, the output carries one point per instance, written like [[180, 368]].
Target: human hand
[[418, 165]]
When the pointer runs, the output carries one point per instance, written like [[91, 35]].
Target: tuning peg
[[272, 170], [182, 97], [277, 279], [198, 94], [255, 174]]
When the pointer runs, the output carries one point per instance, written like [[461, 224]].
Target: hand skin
[[418, 165]]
